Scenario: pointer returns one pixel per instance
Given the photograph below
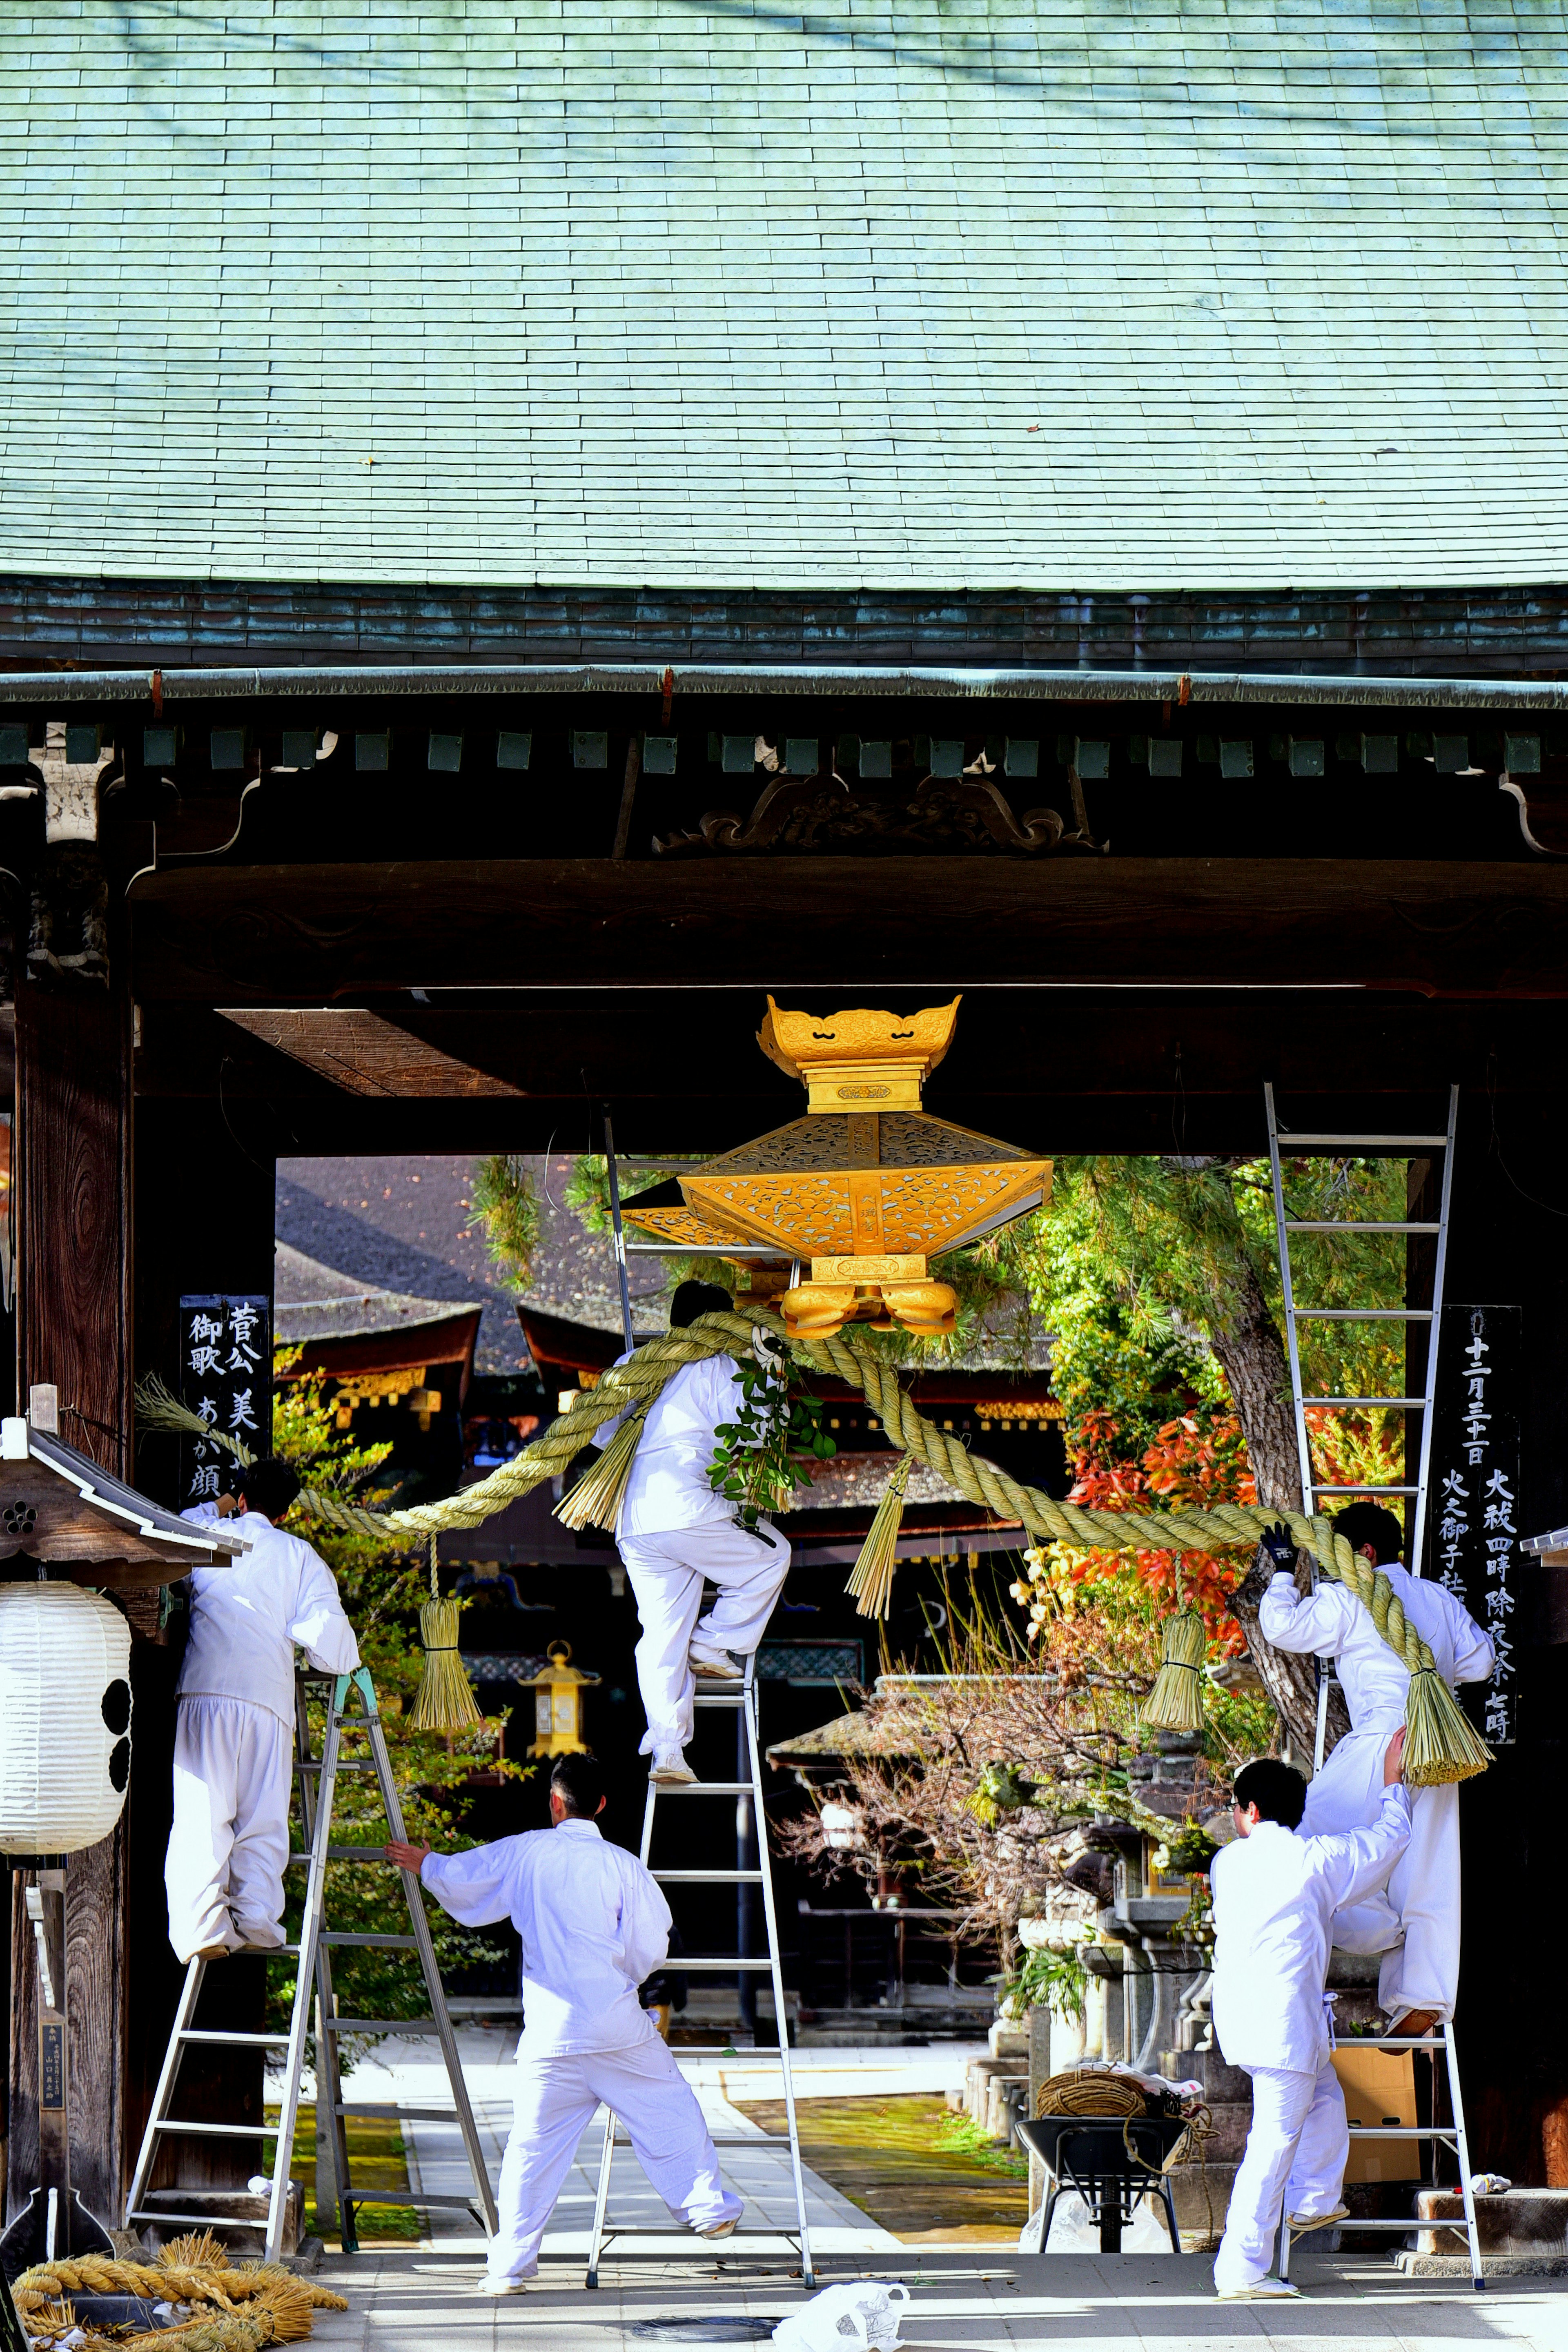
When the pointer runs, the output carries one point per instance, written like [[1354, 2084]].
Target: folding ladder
[[740, 1697], [1450, 2135], [312, 1955], [1296, 1314]]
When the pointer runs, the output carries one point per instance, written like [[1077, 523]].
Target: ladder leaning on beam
[[740, 1697], [313, 1981], [1283, 1142]]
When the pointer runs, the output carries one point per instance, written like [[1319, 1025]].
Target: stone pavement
[[960, 2302]]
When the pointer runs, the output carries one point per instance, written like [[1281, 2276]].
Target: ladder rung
[[683, 1964], [1402, 2131], [1287, 1143], [1355, 1488], [1362, 1225], [1417, 1404], [704, 1788], [675, 2230], [213, 2220], [352, 2196], [344, 1764], [708, 1877], [374, 1943], [217, 2131], [413, 2114], [301, 1855], [382, 2025], [719, 1699], [1362, 1314], [239, 2040]]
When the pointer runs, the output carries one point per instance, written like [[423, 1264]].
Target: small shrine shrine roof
[[174, 1538]]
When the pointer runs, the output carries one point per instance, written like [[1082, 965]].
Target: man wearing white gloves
[[1275, 1898], [234, 1726], [1415, 1924], [674, 1532], [594, 1925]]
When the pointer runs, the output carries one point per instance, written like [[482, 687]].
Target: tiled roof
[[959, 294]]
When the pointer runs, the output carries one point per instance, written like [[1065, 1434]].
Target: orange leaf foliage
[[1196, 1461]]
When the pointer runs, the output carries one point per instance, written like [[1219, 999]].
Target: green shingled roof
[[1088, 295]]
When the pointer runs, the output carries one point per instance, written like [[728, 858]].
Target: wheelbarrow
[[1111, 2161]]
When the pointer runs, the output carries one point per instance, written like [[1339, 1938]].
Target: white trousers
[[233, 1768], [668, 1573], [554, 2101], [1415, 1923], [1294, 2163]]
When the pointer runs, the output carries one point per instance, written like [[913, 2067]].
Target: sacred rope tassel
[[1441, 1743], [871, 1579], [1176, 1701], [595, 1500], [445, 1699]]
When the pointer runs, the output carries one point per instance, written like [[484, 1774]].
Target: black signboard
[[52, 2066], [226, 1376], [1472, 1542]]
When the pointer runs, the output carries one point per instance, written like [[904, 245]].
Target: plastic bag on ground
[[863, 2313]]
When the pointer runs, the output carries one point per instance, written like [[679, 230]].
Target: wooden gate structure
[[519, 537]]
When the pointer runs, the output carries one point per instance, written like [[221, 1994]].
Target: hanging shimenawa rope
[[1441, 1744], [445, 1698], [1176, 1701]]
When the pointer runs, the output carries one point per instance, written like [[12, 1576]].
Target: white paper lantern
[[65, 1718]]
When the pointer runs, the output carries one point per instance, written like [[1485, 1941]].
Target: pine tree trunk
[[1252, 1357]]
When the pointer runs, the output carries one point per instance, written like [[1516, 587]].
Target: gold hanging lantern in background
[[866, 1189], [558, 1705]]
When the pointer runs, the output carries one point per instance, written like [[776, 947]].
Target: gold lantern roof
[[867, 1187]]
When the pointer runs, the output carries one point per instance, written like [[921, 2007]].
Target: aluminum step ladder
[[1451, 2136], [740, 1697], [1397, 1146], [312, 1956]]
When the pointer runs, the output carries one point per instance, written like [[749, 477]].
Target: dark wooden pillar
[[1509, 1245], [73, 1144]]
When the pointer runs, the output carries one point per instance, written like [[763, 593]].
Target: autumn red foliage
[[1197, 1460]]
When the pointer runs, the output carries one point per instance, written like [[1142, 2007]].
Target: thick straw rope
[[851, 1356]]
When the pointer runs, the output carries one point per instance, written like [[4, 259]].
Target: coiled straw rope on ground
[[1441, 1744]]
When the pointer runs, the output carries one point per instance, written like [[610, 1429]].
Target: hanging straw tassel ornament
[[1441, 1744], [445, 1699], [595, 1500], [871, 1579], [1176, 1701]]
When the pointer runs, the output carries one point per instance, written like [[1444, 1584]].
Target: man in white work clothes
[[234, 1724], [1276, 1896], [1415, 1924], [674, 1531], [594, 1925]]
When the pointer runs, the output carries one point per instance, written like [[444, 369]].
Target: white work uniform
[[593, 1925], [674, 1531], [1415, 1924], [1275, 1898], [233, 1733]]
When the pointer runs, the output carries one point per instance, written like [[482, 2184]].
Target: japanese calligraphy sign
[[226, 1376], [1472, 1539]]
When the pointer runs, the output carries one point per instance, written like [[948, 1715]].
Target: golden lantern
[[866, 1188], [558, 1705]]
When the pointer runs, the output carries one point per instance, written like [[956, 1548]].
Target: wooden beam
[[73, 1142], [282, 935], [365, 1053]]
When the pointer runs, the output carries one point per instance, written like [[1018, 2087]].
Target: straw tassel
[[871, 1579], [445, 1699], [595, 1500], [1176, 1701], [1441, 1744]]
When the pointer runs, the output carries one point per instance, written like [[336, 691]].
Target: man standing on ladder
[[1415, 1925], [674, 1532], [594, 1925], [233, 1737]]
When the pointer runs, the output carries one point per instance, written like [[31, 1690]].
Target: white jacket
[[1333, 1624], [592, 1923], [669, 1487], [246, 1618], [1275, 1896]]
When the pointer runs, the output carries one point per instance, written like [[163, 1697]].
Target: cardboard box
[[1380, 2088]]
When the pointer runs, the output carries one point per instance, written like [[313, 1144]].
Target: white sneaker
[[1299, 2222], [488, 2285], [670, 1768], [1263, 2290], [719, 2229], [717, 1663]]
